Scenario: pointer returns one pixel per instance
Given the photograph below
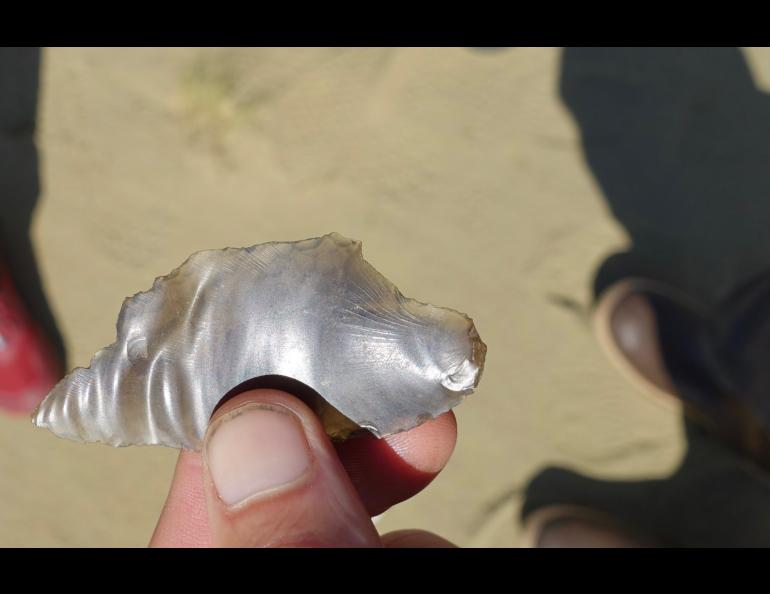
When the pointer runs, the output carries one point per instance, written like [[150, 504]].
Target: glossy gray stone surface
[[314, 311]]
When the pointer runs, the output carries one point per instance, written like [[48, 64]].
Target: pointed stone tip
[[37, 416]]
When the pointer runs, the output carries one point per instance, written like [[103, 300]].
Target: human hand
[[268, 476]]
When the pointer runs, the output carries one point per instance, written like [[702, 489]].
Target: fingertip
[[267, 396], [427, 448], [272, 477], [390, 470]]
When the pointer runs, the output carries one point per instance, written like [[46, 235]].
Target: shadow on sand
[[19, 181], [679, 142]]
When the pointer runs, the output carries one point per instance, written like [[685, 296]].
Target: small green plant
[[214, 97]]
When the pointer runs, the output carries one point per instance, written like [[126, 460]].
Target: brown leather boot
[[572, 526], [714, 363]]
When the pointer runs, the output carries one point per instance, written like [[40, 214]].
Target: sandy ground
[[460, 170]]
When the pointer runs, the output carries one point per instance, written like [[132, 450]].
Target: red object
[[29, 367]]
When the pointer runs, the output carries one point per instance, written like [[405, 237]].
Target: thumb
[[272, 478]]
